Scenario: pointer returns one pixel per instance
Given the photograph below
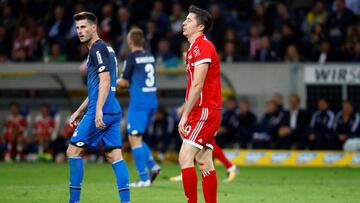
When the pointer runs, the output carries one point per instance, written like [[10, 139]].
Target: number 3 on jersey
[[150, 70]]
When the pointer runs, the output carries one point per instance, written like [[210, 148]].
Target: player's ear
[[201, 27], [94, 27]]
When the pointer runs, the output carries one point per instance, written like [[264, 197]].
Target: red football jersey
[[14, 125], [43, 127], [203, 51]]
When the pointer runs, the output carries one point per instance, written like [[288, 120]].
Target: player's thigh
[[204, 159], [187, 155], [202, 126], [138, 121], [86, 133], [111, 136]]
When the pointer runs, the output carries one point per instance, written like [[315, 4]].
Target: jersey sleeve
[[202, 54], [128, 67], [100, 58]]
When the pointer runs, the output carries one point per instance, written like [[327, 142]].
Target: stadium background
[[267, 48]]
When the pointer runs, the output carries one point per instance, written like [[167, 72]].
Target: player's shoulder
[[205, 43], [99, 45], [130, 56], [146, 53]]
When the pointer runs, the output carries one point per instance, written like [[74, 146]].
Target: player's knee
[[73, 151], [204, 163], [109, 157], [185, 160], [113, 155], [135, 140]]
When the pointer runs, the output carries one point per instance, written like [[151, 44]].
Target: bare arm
[[180, 110], [78, 114], [196, 87], [104, 87], [194, 94], [82, 108]]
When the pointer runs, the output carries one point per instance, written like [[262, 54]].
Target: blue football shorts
[[86, 133], [138, 121]]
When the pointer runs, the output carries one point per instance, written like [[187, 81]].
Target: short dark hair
[[14, 103], [202, 17], [136, 35], [296, 97], [85, 15]]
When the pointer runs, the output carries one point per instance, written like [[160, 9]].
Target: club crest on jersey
[[189, 57], [196, 51]]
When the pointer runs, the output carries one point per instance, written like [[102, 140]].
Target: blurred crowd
[[292, 128], [45, 135], [244, 30]]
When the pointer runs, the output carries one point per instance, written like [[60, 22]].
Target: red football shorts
[[202, 126]]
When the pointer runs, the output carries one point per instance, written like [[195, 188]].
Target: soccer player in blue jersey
[[138, 75], [98, 117]]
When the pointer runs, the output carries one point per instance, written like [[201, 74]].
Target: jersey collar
[[200, 37]]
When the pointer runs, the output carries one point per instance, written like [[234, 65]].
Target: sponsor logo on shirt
[[101, 69]]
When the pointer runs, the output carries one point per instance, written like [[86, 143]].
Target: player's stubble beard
[[87, 39]]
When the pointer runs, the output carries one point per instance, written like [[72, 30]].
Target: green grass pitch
[[47, 182]]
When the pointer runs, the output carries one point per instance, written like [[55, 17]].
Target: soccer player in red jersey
[[201, 116], [13, 133]]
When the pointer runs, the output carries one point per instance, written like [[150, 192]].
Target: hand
[[222, 130], [284, 131], [312, 137], [75, 118], [342, 137], [181, 126], [99, 120]]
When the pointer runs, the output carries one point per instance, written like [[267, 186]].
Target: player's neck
[[193, 37], [133, 49], [92, 41]]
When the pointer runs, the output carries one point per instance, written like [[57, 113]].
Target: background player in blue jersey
[[101, 121], [138, 74]]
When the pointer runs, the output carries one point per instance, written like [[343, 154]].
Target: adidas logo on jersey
[[200, 140]]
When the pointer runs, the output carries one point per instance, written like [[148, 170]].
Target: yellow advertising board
[[294, 158]]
